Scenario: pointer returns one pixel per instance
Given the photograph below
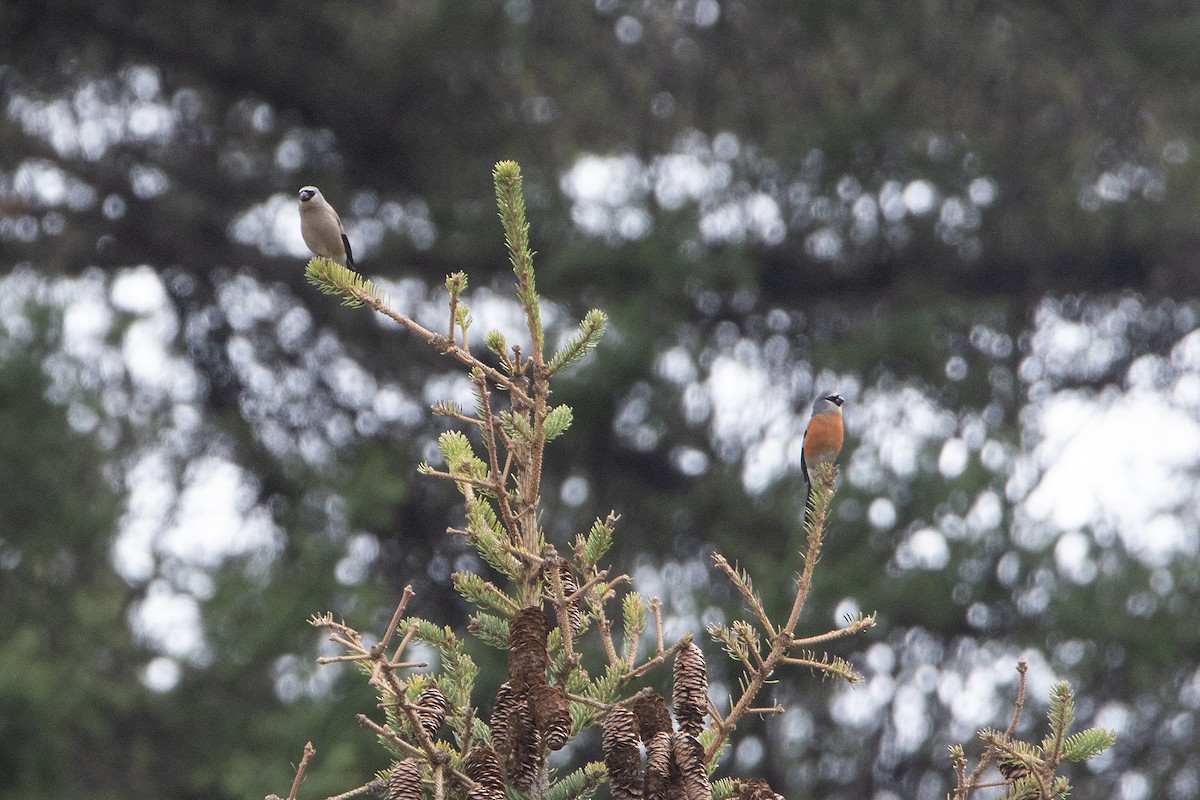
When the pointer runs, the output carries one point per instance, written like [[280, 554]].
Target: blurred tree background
[[978, 221]]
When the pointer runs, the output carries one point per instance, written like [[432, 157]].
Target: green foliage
[[490, 629], [511, 200], [591, 548], [726, 788], [446, 408], [486, 535], [606, 687], [582, 716], [706, 738], [633, 616], [440, 636], [1088, 744], [482, 593], [591, 330], [496, 342], [334, 279], [456, 284], [1061, 712], [460, 456], [1029, 770], [580, 784], [517, 426], [558, 420]]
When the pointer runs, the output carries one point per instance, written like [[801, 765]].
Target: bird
[[322, 228], [822, 438]]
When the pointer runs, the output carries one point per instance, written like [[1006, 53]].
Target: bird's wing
[[803, 463]]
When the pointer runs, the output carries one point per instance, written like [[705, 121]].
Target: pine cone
[[431, 710], [506, 700], [569, 587], [527, 657], [661, 776], [404, 782], [1013, 770], [482, 766], [526, 754], [484, 793], [621, 755], [551, 714], [758, 789], [689, 758], [690, 691], [653, 718]]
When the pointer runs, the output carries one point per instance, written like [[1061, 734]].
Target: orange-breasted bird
[[822, 438]]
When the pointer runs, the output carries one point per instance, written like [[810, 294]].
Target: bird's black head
[[308, 193], [835, 398]]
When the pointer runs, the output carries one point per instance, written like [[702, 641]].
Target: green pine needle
[[456, 283], [437, 635], [482, 593], [591, 329], [490, 629], [591, 548], [460, 456], [633, 614], [582, 716], [607, 687], [496, 342], [1023, 789], [511, 201], [726, 789], [488, 538], [480, 731], [580, 784], [828, 666], [705, 738], [1062, 709], [1088, 744], [446, 408], [557, 421], [517, 426], [334, 279]]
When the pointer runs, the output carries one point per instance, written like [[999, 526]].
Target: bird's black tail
[[807, 501], [349, 253]]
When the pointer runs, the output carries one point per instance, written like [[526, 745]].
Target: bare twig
[[483, 483], [855, 626], [590, 583], [742, 582], [370, 787], [335, 659], [1022, 669], [782, 639], [990, 753], [439, 788], [656, 609], [561, 605], [433, 339], [590, 701], [309, 752], [775, 709], [658, 658], [602, 622]]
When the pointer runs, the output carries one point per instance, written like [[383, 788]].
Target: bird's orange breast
[[823, 441]]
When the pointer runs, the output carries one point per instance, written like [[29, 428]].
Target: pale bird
[[322, 228]]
